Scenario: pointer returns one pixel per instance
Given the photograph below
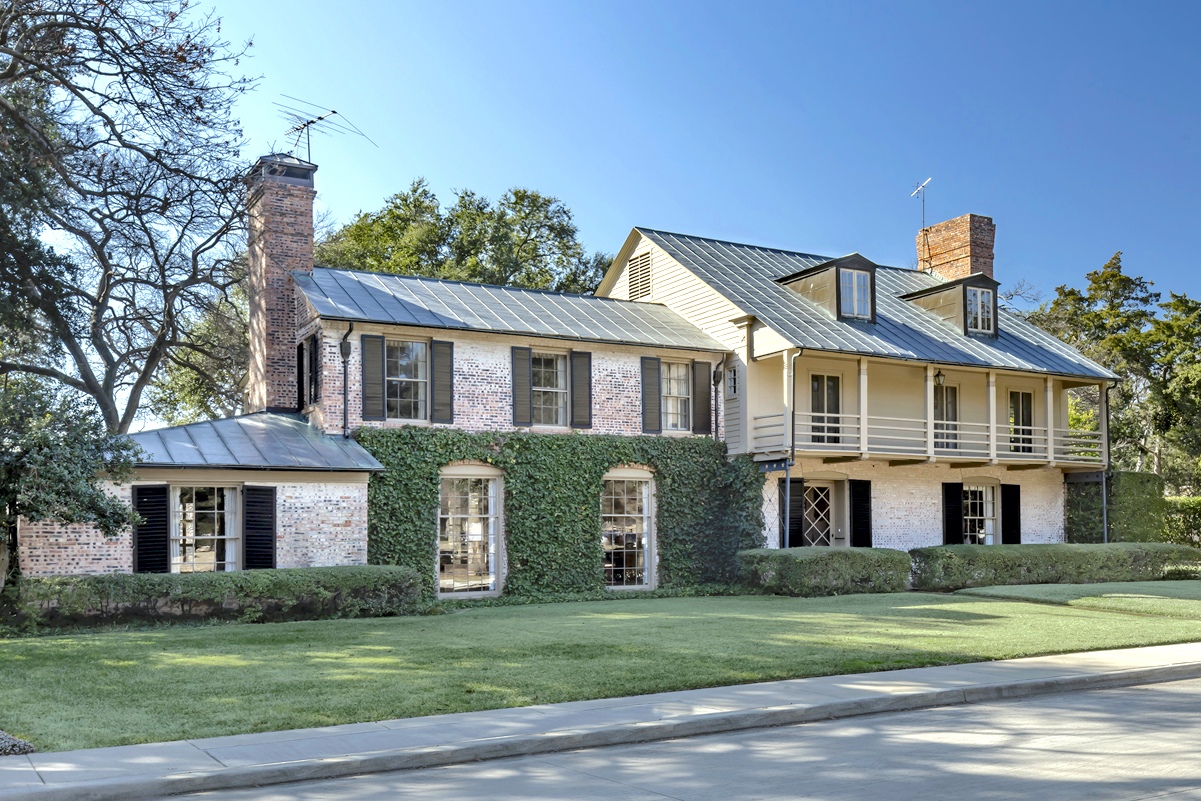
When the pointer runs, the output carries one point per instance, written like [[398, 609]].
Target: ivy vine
[[708, 506]]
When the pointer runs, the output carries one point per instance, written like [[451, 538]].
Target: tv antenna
[[316, 119], [921, 189]]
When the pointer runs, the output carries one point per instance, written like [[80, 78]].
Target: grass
[[1180, 599], [116, 688]]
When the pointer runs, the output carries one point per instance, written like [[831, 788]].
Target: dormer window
[[979, 310], [856, 293]]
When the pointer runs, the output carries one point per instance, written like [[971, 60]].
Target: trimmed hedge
[[811, 572], [307, 593], [1182, 525], [953, 567]]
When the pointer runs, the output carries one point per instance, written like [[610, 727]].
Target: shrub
[[1182, 524], [809, 572], [310, 593], [953, 567], [1137, 509]]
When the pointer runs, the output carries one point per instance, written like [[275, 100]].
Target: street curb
[[527, 745]]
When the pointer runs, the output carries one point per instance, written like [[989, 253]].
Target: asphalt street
[[1128, 743]]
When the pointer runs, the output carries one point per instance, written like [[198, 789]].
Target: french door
[[824, 403], [946, 415], [1021, 422]]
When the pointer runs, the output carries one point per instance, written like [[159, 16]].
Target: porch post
[[930, 411], [789, 412], [863, 406], [1103, 414], [1049, 411], [992, 415]]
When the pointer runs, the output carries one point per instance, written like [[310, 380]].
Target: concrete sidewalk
[[247, 760]]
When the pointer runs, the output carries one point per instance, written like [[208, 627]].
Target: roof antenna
[[921, 188], [317, 118]]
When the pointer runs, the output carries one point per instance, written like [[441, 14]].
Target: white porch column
[[1049, 411], [992, 415], [863, 406], [789, 412], [1103, 414], [929, 411]]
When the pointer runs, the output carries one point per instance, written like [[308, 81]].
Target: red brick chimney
[[957, 248], [280, 207]]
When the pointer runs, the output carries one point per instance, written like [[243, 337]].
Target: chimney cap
[[282, 168]]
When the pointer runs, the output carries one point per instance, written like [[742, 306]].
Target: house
[[884, 407], [888, 407]]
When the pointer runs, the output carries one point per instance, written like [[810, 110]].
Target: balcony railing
[[909, 437]]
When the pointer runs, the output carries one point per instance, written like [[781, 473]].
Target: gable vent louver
[[640, 276]]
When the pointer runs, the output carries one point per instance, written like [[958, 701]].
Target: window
[[946, 414], [1021, 422], [856, 293], [979, 514], [731, 382], [204, 529], [625, 532], [979, 310], [824, 404], [405, 365], [468, 533], [675, 397], [639, 269], [550, 389]]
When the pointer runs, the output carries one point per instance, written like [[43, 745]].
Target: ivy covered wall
[[708, 507]]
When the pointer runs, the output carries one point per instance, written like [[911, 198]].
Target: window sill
[[402, 422], [467, 596], [678, 434], [550, 429], [628, 588]]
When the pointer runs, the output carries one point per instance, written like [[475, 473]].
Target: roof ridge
[[738, 244]]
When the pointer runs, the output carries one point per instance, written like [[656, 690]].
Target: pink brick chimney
[[280, 207], [957, 248]]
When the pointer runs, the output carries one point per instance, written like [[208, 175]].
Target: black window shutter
[[702, 402], [258, 528], [300, 377], [861, 513], [652, 395], [1011, 514], [315, 367], [952, 514], [581, 389], [373, 376], [523, 383], [442, 387], [151, 536]]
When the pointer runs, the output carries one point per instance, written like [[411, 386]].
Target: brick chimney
[[280, 207], [957, 248]]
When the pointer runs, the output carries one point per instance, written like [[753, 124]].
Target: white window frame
[[947, 437], [985, 528], [233, 523], [495, 533], [563, 393], [831, 432], [423, 384], [683, 410], [977, 312], [1023, 442], [650, 560], [858, 294]]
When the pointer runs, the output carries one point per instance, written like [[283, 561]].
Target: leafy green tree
[[525, 239], [54, 448]]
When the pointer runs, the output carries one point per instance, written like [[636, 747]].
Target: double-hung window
[[550, 389], [979, 310], [979, 514], [407, 381], [204, 529], [856, 291], [674, 382]]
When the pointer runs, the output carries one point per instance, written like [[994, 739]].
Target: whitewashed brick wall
[[907, 501]]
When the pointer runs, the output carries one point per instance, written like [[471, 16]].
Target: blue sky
[[796, 125]]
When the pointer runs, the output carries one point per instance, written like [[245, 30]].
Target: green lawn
[[1163, 598], [116, 688]]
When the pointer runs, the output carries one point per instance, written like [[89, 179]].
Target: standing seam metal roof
[[747, 276], [433, 303]]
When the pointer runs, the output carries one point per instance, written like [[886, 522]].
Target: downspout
[[344, 346], [787, 516]]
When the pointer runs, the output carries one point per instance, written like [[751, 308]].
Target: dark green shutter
[[702, 403], [300, 373], [952, 514], [581, 389], [258, 528], [315, 368], [652, 396], [442, 384], [523, 387], [1011, 514], [152, 533], [861, 513], [792, 512], [373, 376]]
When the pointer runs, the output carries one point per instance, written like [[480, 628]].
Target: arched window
[[470, 531], [627, 528]]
